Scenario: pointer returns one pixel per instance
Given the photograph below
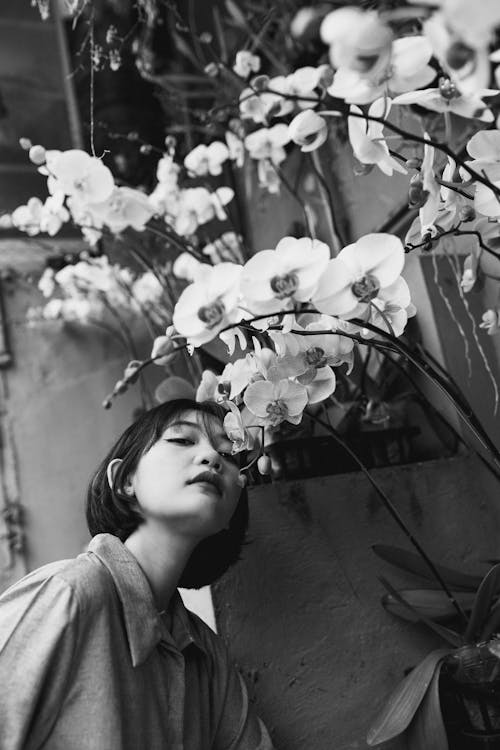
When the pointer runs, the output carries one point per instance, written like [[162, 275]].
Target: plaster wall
[[301, 612]]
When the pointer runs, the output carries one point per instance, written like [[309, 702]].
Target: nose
[[208, 456]]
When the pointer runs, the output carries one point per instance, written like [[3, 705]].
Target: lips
[[210, 478]]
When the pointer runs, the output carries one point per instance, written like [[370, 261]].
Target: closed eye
[[180, 441]]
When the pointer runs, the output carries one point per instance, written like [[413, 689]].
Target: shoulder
[[73, 584]]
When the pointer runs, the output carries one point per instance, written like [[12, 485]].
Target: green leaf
[[405, 700], [431, 603], [427, 728], [488, 590], [413, 563]]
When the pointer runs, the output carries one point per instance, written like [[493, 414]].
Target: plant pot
[[470, 698]]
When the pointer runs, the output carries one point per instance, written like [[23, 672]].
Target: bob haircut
[[112, 511]]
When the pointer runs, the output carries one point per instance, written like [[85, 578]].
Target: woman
[[99, 653]]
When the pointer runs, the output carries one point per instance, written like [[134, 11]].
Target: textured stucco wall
[[301, 612], [56, 428]]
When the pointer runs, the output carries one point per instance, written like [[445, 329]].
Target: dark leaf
[[427, 728], [405, 700], [492, 624], [236, 13], [431, 603], [448, 635], [413, 563], [221, 36], [484, 599]]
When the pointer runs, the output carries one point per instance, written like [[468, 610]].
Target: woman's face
[[188, 478]]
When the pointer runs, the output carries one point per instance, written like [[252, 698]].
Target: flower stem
[[426, 141], [395, 515]]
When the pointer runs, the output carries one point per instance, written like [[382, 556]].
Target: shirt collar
[[142, 622]]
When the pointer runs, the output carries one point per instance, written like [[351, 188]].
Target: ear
[[111, 471]]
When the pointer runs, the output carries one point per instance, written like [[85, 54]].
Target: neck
[[162, 556]]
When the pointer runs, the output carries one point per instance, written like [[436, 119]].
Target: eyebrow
[[185, 423]]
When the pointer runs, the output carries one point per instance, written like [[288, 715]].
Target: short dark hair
[[113, 511]]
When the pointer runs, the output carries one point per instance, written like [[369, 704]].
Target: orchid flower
[[390, 309], [227, 247], [367, 139], [308, 130], [198, 206], [236, 148], [268, 143], [429, 211], [275, 402], [124, 207], [209, 304], [78, 174], [304, 355], [448, 98], [261, 105], [187, 267], [303, 83], [245, 63], [203, 160], [467, 65], [484, 147], [212, 388], [358, 40], [473, 24], [406, 70], [275, 280], [358, 273]]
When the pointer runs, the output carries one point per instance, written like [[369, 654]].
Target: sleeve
[[37, 641], [239, 727]]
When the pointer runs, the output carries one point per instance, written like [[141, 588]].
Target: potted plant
[[451, 699]]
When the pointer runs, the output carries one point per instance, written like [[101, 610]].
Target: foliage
[[414, 707]]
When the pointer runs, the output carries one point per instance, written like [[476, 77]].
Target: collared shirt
[[87, 663]]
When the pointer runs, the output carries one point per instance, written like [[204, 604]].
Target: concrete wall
[[54, 429], [301, 612]]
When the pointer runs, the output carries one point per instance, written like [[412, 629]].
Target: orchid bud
[[212, 70], [131, 371], [37, 155], [185, 266], [162, 352], [264, 465], [308, 130], [491, 321], [120, 387], [25, 144]]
